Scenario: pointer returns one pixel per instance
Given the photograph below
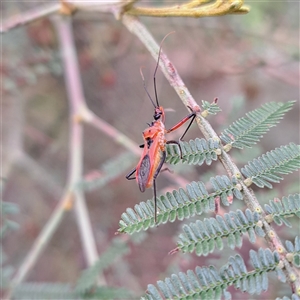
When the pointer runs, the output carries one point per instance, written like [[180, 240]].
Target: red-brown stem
[[169, 70]]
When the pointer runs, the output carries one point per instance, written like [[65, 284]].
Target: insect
[[154, 152]]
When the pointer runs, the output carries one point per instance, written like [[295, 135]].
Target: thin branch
[[194, 8], [39, 174], [194, 3], [90, 118], [63, 7], [176, 82], [32, 15], [170, 72], [41, 242], [76, 99]]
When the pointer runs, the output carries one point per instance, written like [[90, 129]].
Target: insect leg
[[155, 201], [128, 176], [166, 169], [175, 142], [192, 115]]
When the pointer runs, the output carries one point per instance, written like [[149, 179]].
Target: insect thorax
[[156, 130]]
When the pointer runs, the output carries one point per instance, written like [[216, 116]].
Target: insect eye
[[157, 115]]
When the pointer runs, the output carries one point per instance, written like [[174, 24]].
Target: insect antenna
[[145, 88], [154, 75]]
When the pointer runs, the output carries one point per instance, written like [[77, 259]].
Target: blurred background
[[244, 60]]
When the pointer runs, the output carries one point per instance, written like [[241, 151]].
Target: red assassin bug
[[154, 153]]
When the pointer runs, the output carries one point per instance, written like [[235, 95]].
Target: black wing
[[143, 172]]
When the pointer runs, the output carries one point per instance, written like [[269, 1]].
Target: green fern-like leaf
[[37, 291], [263, 170], [194, 152], [6, 227], [211, 108], [279, 210], [104, 292], [204, 236], [89, 276], [225, 189], [208, 283], [294, 251], [8, 208], [248, 130], [54, 291], [180, 204], [294, 297]]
